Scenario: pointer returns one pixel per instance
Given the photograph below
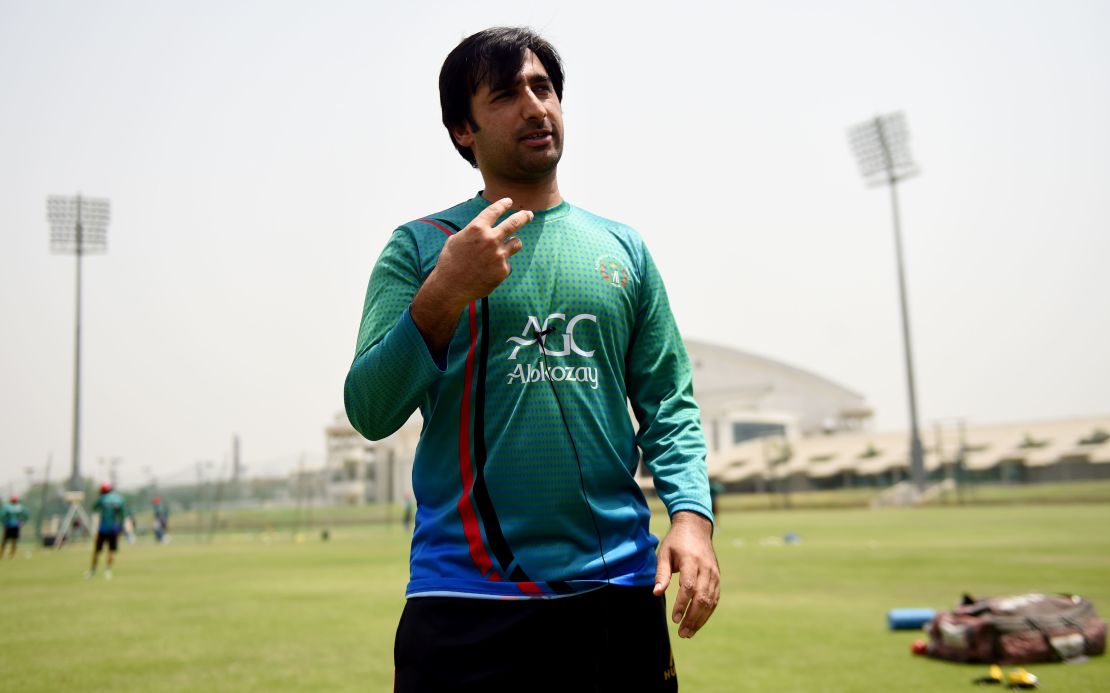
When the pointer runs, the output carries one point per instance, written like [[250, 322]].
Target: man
[[113, 510], [14, 516], [161, 519], [522, 327]]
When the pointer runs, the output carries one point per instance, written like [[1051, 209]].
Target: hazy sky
[[258, 154]]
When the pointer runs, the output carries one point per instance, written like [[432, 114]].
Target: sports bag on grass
[[1019, 629]]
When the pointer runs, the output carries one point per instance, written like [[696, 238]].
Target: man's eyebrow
[[517, 81]]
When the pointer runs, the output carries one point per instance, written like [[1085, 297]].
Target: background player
[[112, 510], [14, 516]]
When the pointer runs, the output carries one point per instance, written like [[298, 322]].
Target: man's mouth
[[537, 137]]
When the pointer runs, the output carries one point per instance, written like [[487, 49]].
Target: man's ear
[[463, 135]]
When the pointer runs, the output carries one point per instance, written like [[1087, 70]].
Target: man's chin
[[540, 164]]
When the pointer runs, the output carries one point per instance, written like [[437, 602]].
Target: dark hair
[[493, 56]]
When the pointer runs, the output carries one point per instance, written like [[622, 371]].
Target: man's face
[[520, 126]]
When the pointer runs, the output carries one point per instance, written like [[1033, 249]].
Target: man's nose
[[533, 107]]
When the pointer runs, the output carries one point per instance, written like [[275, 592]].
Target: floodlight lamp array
[[78, 224], [881, 146]]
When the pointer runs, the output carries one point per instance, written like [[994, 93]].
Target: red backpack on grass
[[1019, 629]]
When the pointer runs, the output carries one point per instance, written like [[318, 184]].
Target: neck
[[534, 195]]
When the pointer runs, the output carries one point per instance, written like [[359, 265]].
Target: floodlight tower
[[881, 146], [78, 226]]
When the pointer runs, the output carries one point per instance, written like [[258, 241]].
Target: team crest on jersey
[[612, 271]]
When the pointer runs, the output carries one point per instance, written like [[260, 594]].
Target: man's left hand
[[688, 550]]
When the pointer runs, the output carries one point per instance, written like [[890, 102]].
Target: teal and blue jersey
[[14, 514], [525, 471], [113, 510]]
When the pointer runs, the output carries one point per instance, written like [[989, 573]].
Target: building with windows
[[744, 397], [358, 471], [771, 425], [753, 403]]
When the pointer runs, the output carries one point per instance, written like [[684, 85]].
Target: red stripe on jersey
[[469, 517], [466, 467], [437, 225], [530, 588]]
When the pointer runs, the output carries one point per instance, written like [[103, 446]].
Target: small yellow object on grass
[[1015, 678]]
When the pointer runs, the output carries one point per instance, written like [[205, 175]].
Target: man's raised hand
[[471, 265], [475, 261]]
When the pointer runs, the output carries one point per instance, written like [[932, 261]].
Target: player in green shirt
[[161, 519], [113, 511], [524, 329], [14, 515]]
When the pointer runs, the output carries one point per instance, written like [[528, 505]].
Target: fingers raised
[[514, 223], [489, 216], [475, 260]]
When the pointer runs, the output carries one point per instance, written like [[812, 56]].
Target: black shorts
[[112, 538], [11, 533], [611, 639]]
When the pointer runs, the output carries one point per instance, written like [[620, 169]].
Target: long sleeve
[[393, 368], [660, 388]]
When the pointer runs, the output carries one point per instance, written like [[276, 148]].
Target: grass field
[[263, 612], [277, 518]]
